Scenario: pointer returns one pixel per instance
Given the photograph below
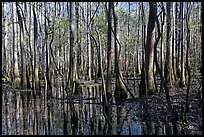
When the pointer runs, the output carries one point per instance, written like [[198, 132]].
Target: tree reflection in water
[[77, 115]]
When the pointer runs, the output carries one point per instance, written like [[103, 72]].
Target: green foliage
[[121, 13], [102, 24]]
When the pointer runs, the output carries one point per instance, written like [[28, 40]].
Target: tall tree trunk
[[88, 43], [179, 45], [168, 62], [138, 53], [5, 30], [47, 60], [187, 55], [79, 60], [108, 77], [4, 37], [72, 57], [120, 89], [35, 72], [176, 39], [161, 51], [23, 61], [76, 77], [182, 79], [142, 90], [173, 47], [149, 48], [16, 80]]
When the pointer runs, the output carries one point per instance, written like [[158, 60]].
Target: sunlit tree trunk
[[174, 40], [88, 43], [4, 36], [182, 79], [138, 70]]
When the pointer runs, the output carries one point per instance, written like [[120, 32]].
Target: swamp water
[[22, 114]]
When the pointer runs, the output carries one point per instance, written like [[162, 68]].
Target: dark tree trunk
[[149, 48]]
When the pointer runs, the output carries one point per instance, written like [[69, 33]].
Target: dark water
[[84, 115]]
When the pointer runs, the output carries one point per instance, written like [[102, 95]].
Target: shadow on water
[[79, 115]]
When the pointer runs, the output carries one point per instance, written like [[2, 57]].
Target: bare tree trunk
[[36, 78], [72, 67], [187, 55], [161, 56], [173, 48], [176, 39], [149, 48], [16, 80], [142, 90], [4, 37], [108, 77], [168, 63], [182, 79], [23, 61], [88, 43], [120, 89]]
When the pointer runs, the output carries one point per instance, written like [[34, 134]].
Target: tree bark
[[16, 80], [108, 77], [120, 89], [149, 48], [182, 79], [23, 61], [168, 62]]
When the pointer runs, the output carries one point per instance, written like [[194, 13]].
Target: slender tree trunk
[[35, 72], [88, 43], [16, 80], [108, 77], [187, 56], [161, 51], [138, 70], [173, 47], [23, 61], [76, 77], [182, 79], [176, 40], [120, 89], [4, 36]]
